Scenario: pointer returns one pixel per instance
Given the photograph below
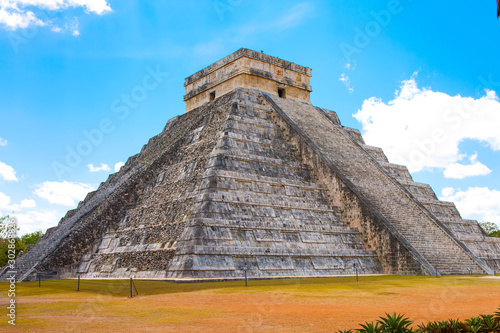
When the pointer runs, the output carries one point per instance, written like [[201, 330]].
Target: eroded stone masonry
[[253, 177]]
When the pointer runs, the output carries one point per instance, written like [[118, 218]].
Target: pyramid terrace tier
[[270, 185]]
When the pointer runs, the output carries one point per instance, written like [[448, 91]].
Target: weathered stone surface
[[247, 69], [269, 185], [416, 228], [261, 207], [467, 231]]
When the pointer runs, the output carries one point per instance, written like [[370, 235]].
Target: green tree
[[21, 243], [489, 227]]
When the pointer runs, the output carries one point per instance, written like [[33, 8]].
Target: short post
[[246, 277], [78, 283], [39, 280], [469, 271], [356, 269], [131, 289]]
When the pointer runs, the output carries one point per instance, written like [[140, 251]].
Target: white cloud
[[28, 203], [103, 167], [3, 142], [63, 193], [118, 166], [28, 221], [7, 206], [16, 14], [98, 7], [4, 201], [346, 81], [479, 203], [7, 172], [421, 128], [461, 171], [32, 221], [17, 19]]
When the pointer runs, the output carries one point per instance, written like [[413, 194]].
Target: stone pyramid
[[254, 178]]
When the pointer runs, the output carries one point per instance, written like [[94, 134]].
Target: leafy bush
[[399, 323], [395, 323], [370, 328], [490, 228], [21, 243]]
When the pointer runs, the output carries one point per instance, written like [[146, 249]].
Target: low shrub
[[398, 323]]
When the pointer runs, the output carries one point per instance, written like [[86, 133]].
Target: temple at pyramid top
[[248, 69], [259, 182]]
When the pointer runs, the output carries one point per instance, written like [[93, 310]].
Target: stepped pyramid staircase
[[438, 248], [262, 183]]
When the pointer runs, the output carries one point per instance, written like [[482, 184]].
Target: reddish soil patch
[[291, 308]]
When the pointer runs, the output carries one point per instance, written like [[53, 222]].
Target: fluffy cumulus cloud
[[63, 193], [103, 167], [14, 18], [5, 203], [16, 14], [6, 206], [118, 166], [460, 171], [31, 221], [7, 173], [421, 128], [479, 203]]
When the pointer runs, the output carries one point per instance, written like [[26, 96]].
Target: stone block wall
[[260, 209], [467, 231], [417, 231], [271, 186], [248, 69]]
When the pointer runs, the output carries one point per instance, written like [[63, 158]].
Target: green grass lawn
[[121, 288]]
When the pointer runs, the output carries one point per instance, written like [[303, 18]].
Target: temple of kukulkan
[[254, 178]]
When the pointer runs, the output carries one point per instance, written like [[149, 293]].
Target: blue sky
[[84, 84]]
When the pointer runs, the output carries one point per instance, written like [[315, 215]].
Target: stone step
[[254, 178], [220, 155], [259, 140], [289, 225], [252, 251], [373, 182], [266, 199], [256, 149]]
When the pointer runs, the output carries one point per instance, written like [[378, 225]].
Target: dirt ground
[[299, 305]]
